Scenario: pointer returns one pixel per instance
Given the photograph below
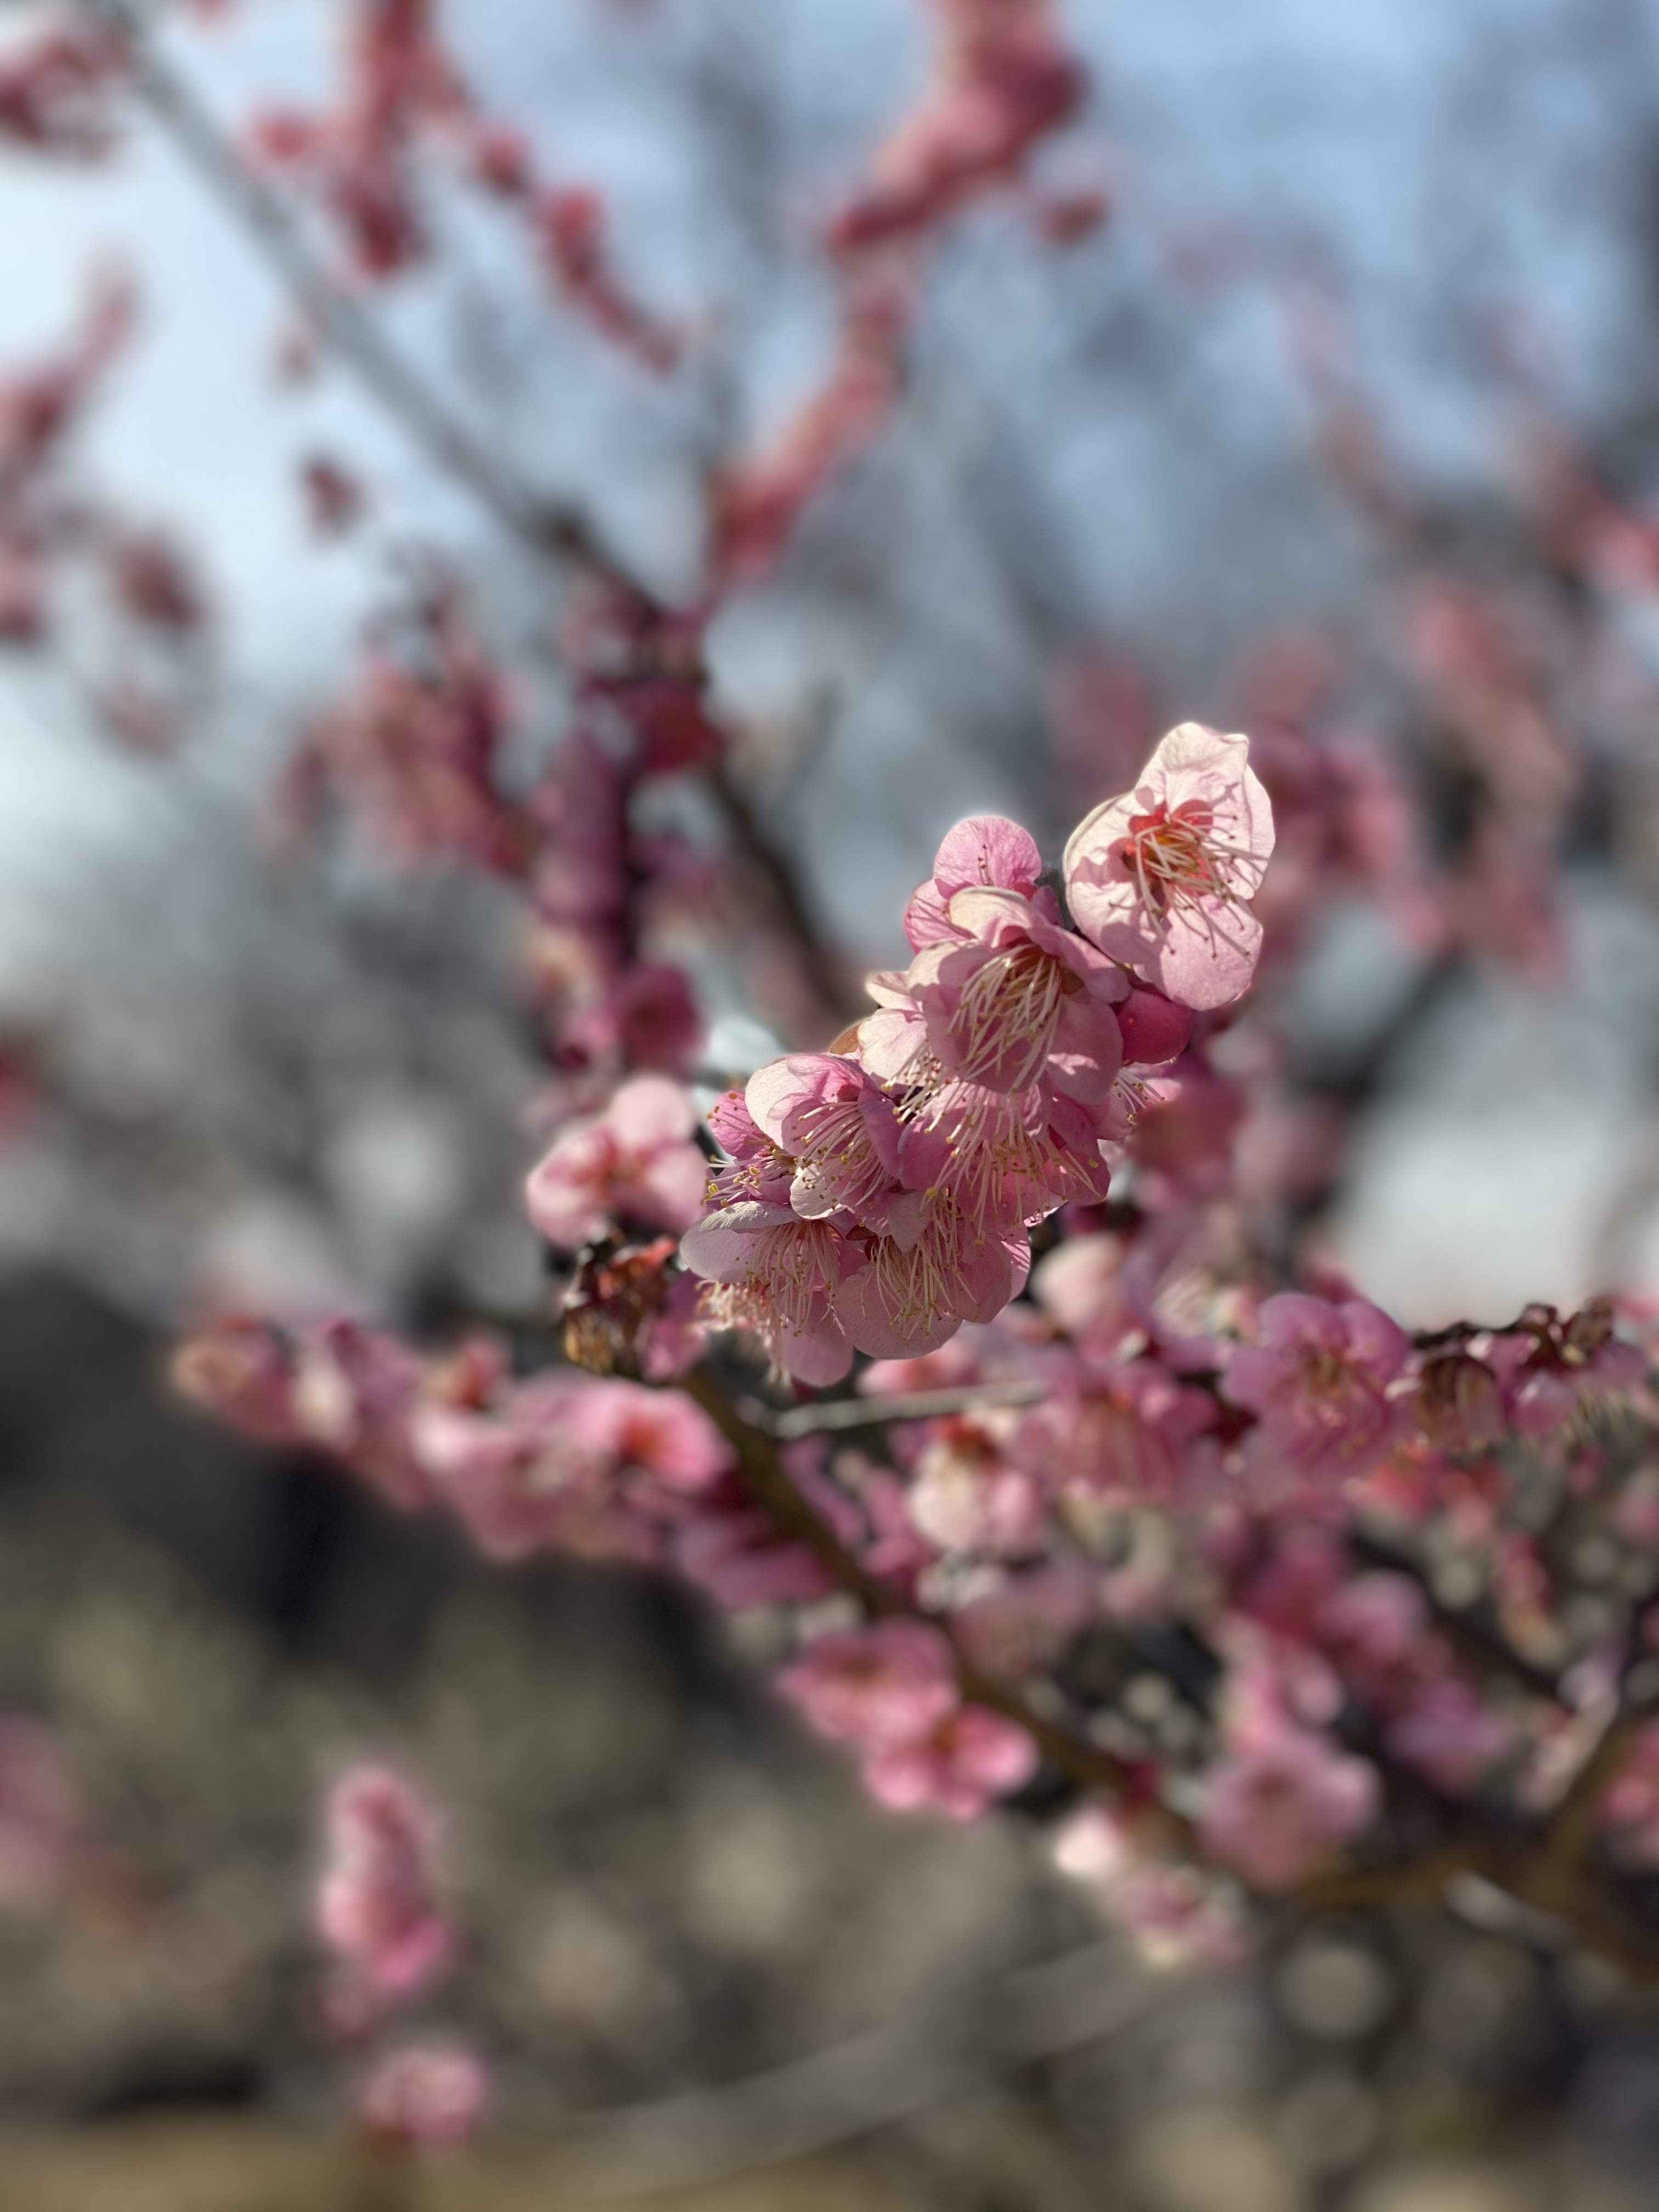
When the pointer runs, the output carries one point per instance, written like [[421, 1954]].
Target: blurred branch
[[892, 2072], [555, 531]]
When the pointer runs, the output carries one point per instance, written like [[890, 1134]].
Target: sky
[[1288, 119]]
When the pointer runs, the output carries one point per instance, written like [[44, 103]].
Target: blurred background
[[1342, 427]]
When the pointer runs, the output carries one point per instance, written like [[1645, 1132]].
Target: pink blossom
[[907, 1299], [841, 1130], [892, 1682], [778, 1278], [970, 1490], [1548, 1367], [376, 1910], [1449, 1733], [1277, 1805], [1003, 81], [1318, 1382], [956, 1768], [571, 1462], [636, 1162], [758, 500], [423, 2097], [415, 746], [1078, 1285], [1011, 997], [1162, 878], [39, 1812], [1120, 1428], [732, 1551], [1007, 1158], [1176, 1914], [571, 226], [55, 92], [985, 852], [756, 1167]]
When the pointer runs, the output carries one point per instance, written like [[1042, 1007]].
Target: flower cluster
[[387, 1941], [876, 1197]]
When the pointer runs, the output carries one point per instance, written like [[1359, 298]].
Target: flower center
[[1177, 860], [1004, 1021]]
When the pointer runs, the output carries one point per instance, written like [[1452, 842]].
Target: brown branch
[[767, 1481], [1571, 1826]]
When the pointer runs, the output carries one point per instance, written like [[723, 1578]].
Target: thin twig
[[555, 531], [839, 1415], [891, 2073]]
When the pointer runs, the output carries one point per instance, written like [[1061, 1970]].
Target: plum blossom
[[891, 1690], [571, 1462], [423, 2097], [984, 852], [889, 1683], [40, 1816], [778, 1277], [1009, 997], [635, 1162], [841, 1129], [956, 1768], [1280, 1802], [376, 1908], [1318, 1382], [1162, 878], [1450, 1734], [1175, 1914]]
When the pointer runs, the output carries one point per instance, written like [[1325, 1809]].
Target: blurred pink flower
[[423, 2097], [376, 1907], [1282, 1801], [891, 1683], [956, 1768], [636, 1162], [1319, 1384]]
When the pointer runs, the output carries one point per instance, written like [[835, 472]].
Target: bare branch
[[841, 1415]]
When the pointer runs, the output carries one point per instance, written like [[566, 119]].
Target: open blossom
[[1007, 997], [377, 1913], [778, 1277], [891, 1689], [1318, 1382], [1162, 878], [889, 1683], [956, 1768], [841, 1129], [635, 1162], [1281, 1801], [571, 1462], [423, 2097]]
